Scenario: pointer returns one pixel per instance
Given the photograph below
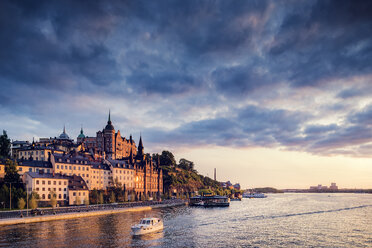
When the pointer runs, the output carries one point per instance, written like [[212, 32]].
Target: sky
[[270, 93]]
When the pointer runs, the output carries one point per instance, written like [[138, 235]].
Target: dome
[[109, 125], [64, 134], [81, 135]]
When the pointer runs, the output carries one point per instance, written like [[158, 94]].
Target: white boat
[[147, 225], [254, 195]]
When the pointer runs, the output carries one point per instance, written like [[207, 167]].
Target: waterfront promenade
[[13, 217]]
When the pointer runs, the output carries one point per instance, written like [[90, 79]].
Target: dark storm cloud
[[329, 40], [223, 52], [248, 126]]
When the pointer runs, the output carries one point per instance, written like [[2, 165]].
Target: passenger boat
[[147, 225], [254, 195], [210, 201]]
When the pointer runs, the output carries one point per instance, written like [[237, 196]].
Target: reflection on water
[[283, 220]]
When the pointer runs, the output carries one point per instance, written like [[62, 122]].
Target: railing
[[82, 208]]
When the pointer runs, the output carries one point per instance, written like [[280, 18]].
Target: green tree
[[112, 197], [4, 145], [100, 199], [126, 196], [167, 159], [11, 172], [53, 199], [21, 203], [33, 202]]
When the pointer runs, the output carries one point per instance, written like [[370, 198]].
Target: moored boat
[[147, 225], [210, 201], [254, 195]]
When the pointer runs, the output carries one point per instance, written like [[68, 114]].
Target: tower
[[140, 152], [109, 138]]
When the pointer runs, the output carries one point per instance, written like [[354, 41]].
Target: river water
[[281, 220]]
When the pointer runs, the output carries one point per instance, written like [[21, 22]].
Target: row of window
[[50, 182], [32, 153], [70, 167], [54, 189], [59, 196], [74, 193]]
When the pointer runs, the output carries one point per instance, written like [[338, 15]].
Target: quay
[[73, 215]]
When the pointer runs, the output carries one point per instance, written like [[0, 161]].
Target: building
[[333, 187], [105, 161], [67, 189], [34, 166]]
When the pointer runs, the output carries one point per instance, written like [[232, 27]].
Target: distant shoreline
[[74, 215]]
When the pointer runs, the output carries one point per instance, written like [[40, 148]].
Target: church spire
[[109, 119], [64, 128], [140, 147]]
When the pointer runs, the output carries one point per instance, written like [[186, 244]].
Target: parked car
[[37, 212]]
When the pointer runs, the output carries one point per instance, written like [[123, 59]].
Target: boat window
[[143, 222], [148, 222]]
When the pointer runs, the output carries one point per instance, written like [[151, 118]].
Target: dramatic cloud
[[290, 74]]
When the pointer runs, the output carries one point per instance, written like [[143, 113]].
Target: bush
[[21, 203]]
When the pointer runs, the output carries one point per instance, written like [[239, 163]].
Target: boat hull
[[141, 230]]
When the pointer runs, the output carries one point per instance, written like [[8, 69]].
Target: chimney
[[214, 174]]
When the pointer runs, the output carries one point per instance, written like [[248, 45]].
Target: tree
[[33, 202], [21, 203], [167, 159], [125, 196], [132, 196], [4, 145], [11, 172], [86, 201], [112, 197], [100, 199], [77, 200], [53, 199]]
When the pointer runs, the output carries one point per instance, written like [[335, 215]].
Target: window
[[48, 196], [79, 167], [65, 183], [57, 166], [54, 183], [59, 196], [79, 193], [70, 167], [74, 194], [37, 181], [84, 193], [43, 182], [37, 189], [59, 189], [74, 167], [48, 189], [64, 189], [43, 196], [43, 189], [64, 196], [49, 182], [20, 169], [60, 183], [54, 189], [30, 170]]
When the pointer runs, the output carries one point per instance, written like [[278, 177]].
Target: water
[[281, 220]]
